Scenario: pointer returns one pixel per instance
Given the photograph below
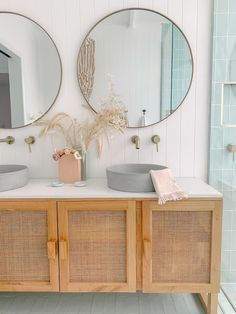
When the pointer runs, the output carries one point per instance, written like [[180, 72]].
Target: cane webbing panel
[[97, 246], [23, 246], [181, 246]]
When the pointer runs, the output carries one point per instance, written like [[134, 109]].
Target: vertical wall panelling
[[161, 128], [202, 87], [173, 138], [115, 5], [160, 6], [130, 3], [145, 4], [117, 144], [146, 133], [183, 145], [188, 113]]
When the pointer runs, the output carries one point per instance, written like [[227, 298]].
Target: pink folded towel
[[166, 186]]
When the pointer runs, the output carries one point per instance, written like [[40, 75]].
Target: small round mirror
[[147, 58], [30, 71]]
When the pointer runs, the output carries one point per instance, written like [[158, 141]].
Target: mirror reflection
[[30, 71], [147, 58]]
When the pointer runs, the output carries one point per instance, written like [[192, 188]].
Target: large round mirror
[[30, 71], [146, 56]]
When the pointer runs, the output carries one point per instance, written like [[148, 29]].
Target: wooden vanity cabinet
[[28, 246], [106, 245], [97, 241]]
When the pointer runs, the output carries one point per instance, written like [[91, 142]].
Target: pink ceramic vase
[[69, 169]]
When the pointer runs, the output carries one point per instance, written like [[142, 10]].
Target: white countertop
[[97, 188]]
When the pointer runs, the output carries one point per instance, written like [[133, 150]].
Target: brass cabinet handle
[[63, 249], [51, 249]]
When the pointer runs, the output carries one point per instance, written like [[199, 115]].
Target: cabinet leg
[[212, 303]]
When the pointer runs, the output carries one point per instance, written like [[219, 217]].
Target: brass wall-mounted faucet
[[30, 140], [136, 140], [9, 140], [232, 149], [156, 139]]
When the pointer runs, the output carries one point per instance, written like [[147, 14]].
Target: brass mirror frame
[[141, 9], [61, 71]]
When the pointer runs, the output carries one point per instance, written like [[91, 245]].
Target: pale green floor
[[227, 298], [104, 303], [230, 291]]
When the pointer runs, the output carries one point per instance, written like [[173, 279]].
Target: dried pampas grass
[[111, 118], [62, 124]]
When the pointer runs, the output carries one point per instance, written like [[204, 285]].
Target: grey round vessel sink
[[13, 177], [131, 177]]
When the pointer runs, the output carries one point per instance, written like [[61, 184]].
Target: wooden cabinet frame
[[129, 207], [211, 288], [50, 208]]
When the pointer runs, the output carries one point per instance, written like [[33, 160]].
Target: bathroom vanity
[[97, 239]]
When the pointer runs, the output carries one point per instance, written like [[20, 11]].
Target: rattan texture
[[181, 246], [97, 246], [23, 246]]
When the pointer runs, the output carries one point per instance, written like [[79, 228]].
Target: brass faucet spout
[[8, 140]]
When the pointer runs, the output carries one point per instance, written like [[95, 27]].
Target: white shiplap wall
[[184, 135]]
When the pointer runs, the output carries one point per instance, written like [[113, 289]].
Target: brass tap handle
[[232, 149], [156, 139], [29, 141]]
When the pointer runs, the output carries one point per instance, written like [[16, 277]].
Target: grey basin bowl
[[131, 177], [13, 177]]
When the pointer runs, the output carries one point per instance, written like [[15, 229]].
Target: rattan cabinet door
[[97, 246], [28, 253], [182, 242]]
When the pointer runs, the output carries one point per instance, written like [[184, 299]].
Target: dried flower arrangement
[[66, 151], [79, 136]]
